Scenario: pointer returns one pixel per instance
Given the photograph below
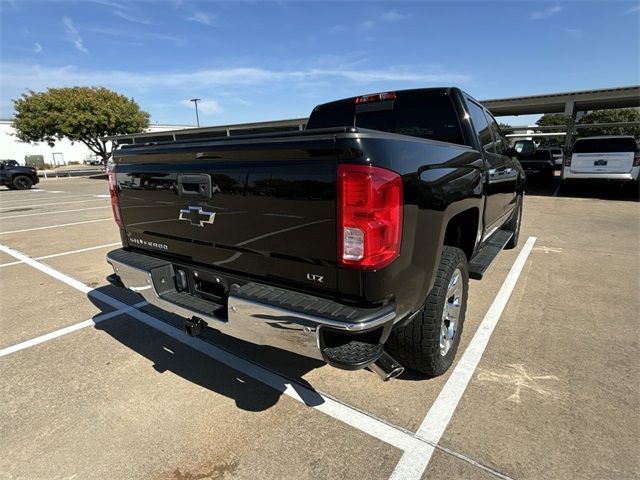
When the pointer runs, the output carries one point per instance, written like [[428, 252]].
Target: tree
[[614, 115], [549, 119], [81, 114]]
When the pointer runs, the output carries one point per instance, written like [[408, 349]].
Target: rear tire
[[428, 344], [22, 182]]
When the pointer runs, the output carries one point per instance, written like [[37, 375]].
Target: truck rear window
[[604, 145], [419, 114]]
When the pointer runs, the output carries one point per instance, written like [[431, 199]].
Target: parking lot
[[545, 384]]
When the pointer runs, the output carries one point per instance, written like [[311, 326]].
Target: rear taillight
[[115, 204], [369, 216], [375, 97], [567, 160], [636, 160]]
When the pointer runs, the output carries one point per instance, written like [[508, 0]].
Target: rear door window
[[604, 145]]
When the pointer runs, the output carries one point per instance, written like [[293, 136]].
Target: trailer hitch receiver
[[195, 326]]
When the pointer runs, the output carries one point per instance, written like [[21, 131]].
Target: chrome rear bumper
[[257, 313]]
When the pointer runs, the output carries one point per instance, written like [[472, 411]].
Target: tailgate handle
[[194, 185]]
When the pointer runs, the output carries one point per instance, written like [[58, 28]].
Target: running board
[[482, 260]]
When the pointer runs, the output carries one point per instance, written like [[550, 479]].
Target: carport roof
[[565, 102], [620, 97]]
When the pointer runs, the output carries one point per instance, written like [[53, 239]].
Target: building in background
[[62, 153]]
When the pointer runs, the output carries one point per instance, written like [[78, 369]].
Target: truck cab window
[[481, 126]]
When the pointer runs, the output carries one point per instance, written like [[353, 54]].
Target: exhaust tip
[[386, 367]]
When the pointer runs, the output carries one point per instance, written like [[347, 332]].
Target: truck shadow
[[167, 354]]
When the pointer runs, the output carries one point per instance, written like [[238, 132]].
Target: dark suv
[[17, 177]]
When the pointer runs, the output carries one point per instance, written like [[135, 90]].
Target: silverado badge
[[196, 216]]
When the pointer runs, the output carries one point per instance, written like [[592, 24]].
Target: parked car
[[352, 241], [602, 158], [535, 160], [18, 177], [92, 160], [558, 157]]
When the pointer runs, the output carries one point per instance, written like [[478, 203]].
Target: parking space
[[33, 304], [144, 405], [555, 393]]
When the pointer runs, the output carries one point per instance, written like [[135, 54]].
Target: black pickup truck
[[352, 241], [17, 177]]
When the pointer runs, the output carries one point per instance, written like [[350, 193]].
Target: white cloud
[[130, 18], [202, 17], [547, 12], [109, 3], [20, 76], [37, 47], [386, 17], [392, 16], [73, 35], [574, 33], [137, 35], [367, 24], [634, 9], [207, 107]]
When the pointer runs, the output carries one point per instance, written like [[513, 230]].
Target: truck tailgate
[[265, 209], [606, 162]]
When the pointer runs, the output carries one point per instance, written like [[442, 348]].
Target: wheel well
[[462, 230]]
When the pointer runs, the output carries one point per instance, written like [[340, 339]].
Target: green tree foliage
[[615, 115], [549, 119], [81, 114]]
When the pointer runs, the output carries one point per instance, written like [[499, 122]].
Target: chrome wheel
[[451, 312]]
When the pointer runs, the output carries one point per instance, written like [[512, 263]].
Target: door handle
[[194, 185], [507, 170]]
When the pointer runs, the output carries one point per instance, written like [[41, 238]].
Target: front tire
[[428, 344], [22, 182]]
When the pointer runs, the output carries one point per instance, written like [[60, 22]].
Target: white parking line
[[71, 328], [55, 212], [418, 448], [55, 226], [363, 422], [413, 463], [64, 253], [5, 202], [54, 203]]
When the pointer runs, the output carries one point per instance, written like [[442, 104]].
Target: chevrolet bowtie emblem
[[196, 216]]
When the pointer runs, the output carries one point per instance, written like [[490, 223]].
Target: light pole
[[196, 100]]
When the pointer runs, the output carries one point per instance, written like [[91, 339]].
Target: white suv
[[606, 158]]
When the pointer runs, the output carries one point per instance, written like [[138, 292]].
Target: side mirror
[[525, 147]]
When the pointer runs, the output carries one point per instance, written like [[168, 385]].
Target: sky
[[261, 60]]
